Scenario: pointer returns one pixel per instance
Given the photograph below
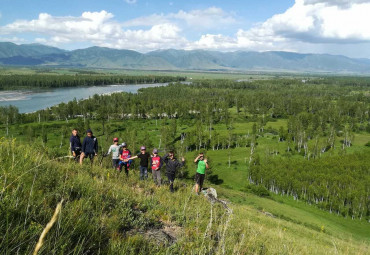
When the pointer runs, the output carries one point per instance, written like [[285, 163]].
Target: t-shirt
[[156, 162], [201, 167], [126, 154], [144, 159], [114, 149]]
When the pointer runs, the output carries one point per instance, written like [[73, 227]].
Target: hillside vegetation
[[290, 156], [106, 213]]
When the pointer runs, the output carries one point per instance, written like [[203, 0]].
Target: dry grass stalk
[[48, 227]]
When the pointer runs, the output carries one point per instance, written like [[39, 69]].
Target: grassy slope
[[100, 207], [298, 228]]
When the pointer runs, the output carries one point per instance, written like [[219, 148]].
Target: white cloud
[[97, 28], [212, 17], [41, 40], [13, 39], [309, 25], [215, 42], [320, 23], [147, 21], [208, 18], [88, 24]]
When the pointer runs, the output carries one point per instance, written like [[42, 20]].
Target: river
[[33, 100]]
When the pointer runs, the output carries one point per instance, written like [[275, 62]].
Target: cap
[[142, 148], [155, 151], [89, 131], [124, 145], [115, 139]]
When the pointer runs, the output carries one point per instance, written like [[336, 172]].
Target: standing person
[[202, 165], [144, 162], [171, 165], [114, 149], [125, 154], [89, 147], [156, 163], [75, 144]]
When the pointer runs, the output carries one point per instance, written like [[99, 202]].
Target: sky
[[306, 26]]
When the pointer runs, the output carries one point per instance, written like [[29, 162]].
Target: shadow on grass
[[215, 180]]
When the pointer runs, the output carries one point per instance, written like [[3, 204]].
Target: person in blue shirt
[[75, 144], [89, 147]]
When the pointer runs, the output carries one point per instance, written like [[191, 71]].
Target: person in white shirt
[[114, 149]]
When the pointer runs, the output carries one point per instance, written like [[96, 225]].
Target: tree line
[[62, 81], [339, 184]]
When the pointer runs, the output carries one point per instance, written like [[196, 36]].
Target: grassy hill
[[104, 212], [108, 213]]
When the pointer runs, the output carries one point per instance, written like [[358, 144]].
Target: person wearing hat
[[144, 162], [125, 154], [114, 149], [89, 147], [171, 166], [156, 164]]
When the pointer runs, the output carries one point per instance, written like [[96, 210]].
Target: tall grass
[[107, 213]]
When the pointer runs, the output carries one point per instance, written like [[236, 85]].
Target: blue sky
[[317, 26]]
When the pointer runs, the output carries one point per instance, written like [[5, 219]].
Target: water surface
[[33, 100]]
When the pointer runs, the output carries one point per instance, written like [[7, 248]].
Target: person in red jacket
[[156, 163]]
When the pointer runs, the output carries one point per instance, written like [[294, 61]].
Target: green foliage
[[338, 184], [110, 214], [59, 81], [102, 212], [301, 144]]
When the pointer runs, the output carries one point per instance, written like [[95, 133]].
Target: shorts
[[90, 155], [77, 151], [199, 178], [115, 163]]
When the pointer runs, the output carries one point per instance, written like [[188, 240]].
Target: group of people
[[122, 159]]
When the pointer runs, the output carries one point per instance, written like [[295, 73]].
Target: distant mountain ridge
[[202, 60]]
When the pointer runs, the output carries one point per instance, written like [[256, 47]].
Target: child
[[156, 163], [125, 154], [114, 149], [144, 162]]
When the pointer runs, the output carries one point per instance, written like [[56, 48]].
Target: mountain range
[[202, 60]]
